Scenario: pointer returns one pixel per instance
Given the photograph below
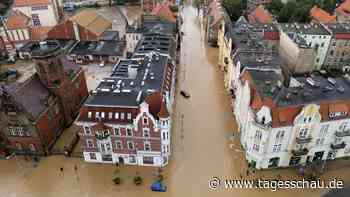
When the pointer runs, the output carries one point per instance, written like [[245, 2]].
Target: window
[[36, 20], [303, 132], [32, 147], [276, 147], [130, 145], [110, 115], [92, 156], [89, 114], [108, 146], [117, 131], [147, 146], [118, 145], [146, 132], [87, 130], [258, 135], [279, 136], [116, 115], [256, 147], [11, 131], [97, 115], [322, 44], [342, 126], [129, 116], [20, 131], [331, 53], [145, 120], [122, 116], [132, 159], [128, 132], [164, 136], [323, 130], [102, 115], [89, 143]]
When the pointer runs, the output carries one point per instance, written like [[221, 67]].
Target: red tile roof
[[18, 20], [215, 11], [163, 113], [344, 8], [163, 10], [39, 33], [321, 15], [260, 15], [20, 3]]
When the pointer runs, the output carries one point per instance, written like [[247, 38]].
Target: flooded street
[[200, 144]]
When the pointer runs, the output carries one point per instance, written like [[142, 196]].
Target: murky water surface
[[201, 145]]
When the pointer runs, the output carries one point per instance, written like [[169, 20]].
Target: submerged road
[[200, 142]]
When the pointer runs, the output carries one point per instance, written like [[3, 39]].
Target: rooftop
[[103, 48], [92, 21], [152, 24], [344, 8], [338, 27], [163, 10], [110, 35], [131, 81], [163, 44], [17, 20], [46, 48], [321, 15], [260, 15], [304, 28], [19, 3]]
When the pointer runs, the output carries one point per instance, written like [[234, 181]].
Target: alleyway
[[202, 126]]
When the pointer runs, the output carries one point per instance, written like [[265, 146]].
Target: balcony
[[262, 125], [300, 152], [338, 146], [303, 140], [342, 133]]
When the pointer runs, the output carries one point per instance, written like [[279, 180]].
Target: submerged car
[[158, 187], [185, 94]]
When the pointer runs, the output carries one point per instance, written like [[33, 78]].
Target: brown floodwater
[[200, 145]]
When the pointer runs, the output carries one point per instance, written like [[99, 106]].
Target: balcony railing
[[342, 133], [261, 125], [303, 140], [300, 152], [338, 146]]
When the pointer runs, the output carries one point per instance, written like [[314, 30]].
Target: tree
[[234, 8], [275, 6]]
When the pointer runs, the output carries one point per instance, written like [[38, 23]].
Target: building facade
[[42, 12], [293, 125], [305, 36], [339, 48], [127, 119]]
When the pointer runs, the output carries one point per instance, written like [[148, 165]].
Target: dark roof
[[46, 48], [156, 42], [152, 24], [31, 95], [131, 81], [304, 28], [110, 35], [103, 48], [338, 27], [322, 90], [258, 59], [267, 82]]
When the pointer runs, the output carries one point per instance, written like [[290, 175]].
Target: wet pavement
[[201, 146]]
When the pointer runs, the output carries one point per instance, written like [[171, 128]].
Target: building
[[127, 119], [34, 49], [148, 5], [42, 12], [304, 46], [293, 121], [342, 12], [214, 15], [35, 111], [163, 10], [85, 52], [86, 25], [148, 24], [252, 4], [339, 48], [242, 43], [16, 30], [260, 15], [39, 33], [318, 15]]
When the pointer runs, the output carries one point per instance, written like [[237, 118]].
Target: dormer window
[[145, 121]]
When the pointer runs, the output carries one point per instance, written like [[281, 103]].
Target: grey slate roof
[[121, 89], [101, 48], [32, 96]]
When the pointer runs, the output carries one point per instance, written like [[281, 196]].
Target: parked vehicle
[[185, 94], [158, 187], [102, 64]]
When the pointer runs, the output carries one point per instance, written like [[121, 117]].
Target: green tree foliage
[[298, 10], [234, 8]]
